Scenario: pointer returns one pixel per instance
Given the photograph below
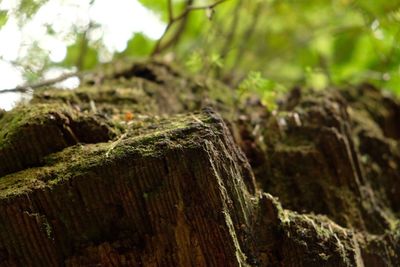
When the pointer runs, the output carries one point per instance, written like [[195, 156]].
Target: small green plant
[[194, 62], [267, 90], [198, 62]]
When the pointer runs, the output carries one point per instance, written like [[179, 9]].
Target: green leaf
[[30, 7], [72, 55], [158, 6], [378, 8], [344, 46], [195, 62], [216, 60], [91, 59], [316, 79], [255, 82], [266, 89], [3, 17], [138, 46], [161, 7]]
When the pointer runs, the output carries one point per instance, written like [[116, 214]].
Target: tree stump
[[130, 172]]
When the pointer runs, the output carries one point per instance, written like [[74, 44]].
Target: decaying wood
[[172, 196], [314, 184]]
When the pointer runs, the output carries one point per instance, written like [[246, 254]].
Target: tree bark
[[152, 167]]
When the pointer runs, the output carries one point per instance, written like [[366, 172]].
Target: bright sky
[[119, 20]]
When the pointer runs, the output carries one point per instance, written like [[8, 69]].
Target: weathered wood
[[323, 155], [29, 133], [171, 197], [110, 175], [312, 156]]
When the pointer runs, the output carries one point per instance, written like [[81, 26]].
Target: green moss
[[117, 96], [72, 161], [21, 182], [171, 135], [323, 256], [322, 237], [22, 115], [2, 113], [48, 229]]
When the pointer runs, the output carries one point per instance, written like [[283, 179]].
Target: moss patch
[[152, 140], [22, 115]]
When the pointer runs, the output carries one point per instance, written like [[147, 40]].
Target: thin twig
[[175, 38], [233, 29], [115, 143], [84, 43], [171, 20], [84, 47], [27, 87], [170, 11], [248, 34], [193, 8]]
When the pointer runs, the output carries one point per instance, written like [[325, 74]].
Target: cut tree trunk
[[151, 167]]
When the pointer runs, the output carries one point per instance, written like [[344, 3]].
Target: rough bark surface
[[127, 171]]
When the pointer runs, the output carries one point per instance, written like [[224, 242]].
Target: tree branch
[[84, 43], [170, 11], [248, 33], [233, 27], [193, 8], [27, 87], [172, 20], [175, 38]]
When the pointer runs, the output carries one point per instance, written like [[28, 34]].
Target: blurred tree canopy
[[268, 43]]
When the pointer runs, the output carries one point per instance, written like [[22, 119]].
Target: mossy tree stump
[[130, 172]]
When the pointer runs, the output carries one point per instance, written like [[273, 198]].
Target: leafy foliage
[[81, 55], [27, 8], [314, 43], [269, 45], [268, 90]]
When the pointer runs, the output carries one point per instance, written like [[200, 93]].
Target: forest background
[[259, 46]]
